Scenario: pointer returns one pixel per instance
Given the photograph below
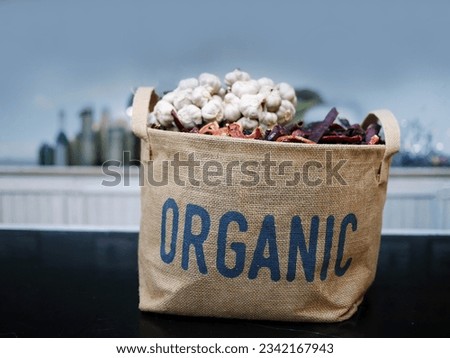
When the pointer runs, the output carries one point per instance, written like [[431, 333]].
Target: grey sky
[[359, 55]]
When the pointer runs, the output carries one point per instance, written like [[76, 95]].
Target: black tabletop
[[85, 284]]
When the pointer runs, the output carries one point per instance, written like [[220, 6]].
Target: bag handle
[[144, 100], [391, 134]]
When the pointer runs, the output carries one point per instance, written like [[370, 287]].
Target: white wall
[[418, 198], [73, 196]]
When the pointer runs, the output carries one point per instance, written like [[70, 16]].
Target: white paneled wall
[[418, 198], [444, 207], [73, 197]]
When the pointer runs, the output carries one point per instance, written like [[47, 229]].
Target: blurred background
[[69, 69]]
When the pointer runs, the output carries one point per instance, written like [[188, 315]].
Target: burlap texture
[[239, 234]]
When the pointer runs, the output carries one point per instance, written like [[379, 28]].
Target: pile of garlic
[[249, 102]]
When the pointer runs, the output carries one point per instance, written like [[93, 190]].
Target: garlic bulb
[[222, 92], [169, 96], [240, 88], [265, 90], [250, 106], [286, 111], [231, 98], [273, 100], [182, 98], [231, 112], [200, 96], [217, 98], [163, 113], [210, 82], [268, 119], [264, 81], [190, 116], [236, 75], [242, 100], [287, 92], [188, 83], [247, 123], [212, 111]]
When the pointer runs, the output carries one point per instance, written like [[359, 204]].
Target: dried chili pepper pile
[[324, 132]]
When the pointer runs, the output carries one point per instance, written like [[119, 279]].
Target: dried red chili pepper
[[209, 128], [340, 139], [297, 139], [235, 130], [337, 128], [322, 127], [177, 121], [354, 129], [276, 132], [300, 133], [301, 139], [223, 131], [319, 132], [372, 130], [344, 122], [256, 134], [374, 139]]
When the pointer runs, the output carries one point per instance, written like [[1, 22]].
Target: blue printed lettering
[[232, 256], [298, 242], [267, 238], [170, 204], [195, 240], [327, 248], [338, 268], [237, 247]]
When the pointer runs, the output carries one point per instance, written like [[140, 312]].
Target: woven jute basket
[[254, 229]]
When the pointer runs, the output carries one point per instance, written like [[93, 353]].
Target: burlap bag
[[255, 229]]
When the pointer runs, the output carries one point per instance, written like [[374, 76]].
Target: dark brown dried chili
[[319, 130], [326, 131]]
